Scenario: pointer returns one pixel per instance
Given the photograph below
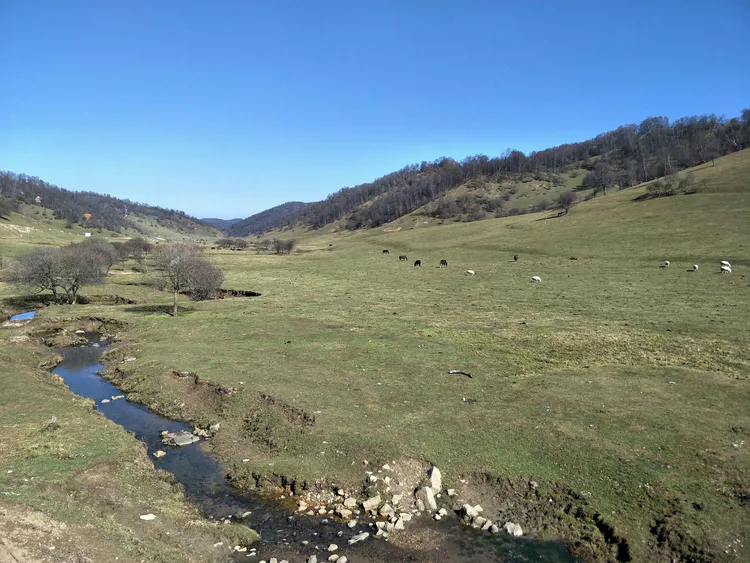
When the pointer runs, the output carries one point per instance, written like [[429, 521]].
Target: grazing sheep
[[725, 263], [666, 264], [470, 272], [726, 269], [695, 267], [536, 279]]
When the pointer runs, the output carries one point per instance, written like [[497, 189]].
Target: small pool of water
[[282, 531], [23, 316]]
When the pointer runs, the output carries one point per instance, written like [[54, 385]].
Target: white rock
[[426, 495], [487, 525], [148, 517], [387, 510], [312, 559], [359, 537], [350, 502], [494, 529], [436, 480], [333, 557], [513, 529], [397, 499], [333, 547], [352, 523], [399, 525], [105, 401], [343, 559], [372, 504], [420, 505], [451, 492], [480, 521], [387, 467], [405, 516], [437, 517], [443, 512]]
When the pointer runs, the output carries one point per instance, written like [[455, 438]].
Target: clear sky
[[226, 108]]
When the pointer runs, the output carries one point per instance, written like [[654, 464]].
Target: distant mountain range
[[221, 224], [267, 220]]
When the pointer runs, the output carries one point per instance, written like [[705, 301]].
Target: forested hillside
[[627, 156], [97, 211], [221, 224], [286, 213]]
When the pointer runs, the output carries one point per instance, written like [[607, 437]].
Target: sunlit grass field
[[623, 380]]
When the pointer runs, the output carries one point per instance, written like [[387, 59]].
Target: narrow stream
[[282, 530]]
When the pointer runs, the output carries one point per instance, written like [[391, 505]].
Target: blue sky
[[228, 108]]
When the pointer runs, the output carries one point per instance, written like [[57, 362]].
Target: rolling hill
[[481, 187], [259, 223], [220, 224]]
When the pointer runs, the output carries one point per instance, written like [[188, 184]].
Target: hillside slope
[[480, 187], [266, 220], [220, 224], [93, 210]]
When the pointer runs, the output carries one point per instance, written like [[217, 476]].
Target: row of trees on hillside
[[96, 211], [621, 158]]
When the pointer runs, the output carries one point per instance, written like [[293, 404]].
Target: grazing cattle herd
[[724, 266]]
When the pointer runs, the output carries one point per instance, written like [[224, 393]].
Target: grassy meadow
[[621, 380]]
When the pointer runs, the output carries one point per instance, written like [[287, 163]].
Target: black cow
[[443, 263], [385, 251], [417, 263], [515, 258], [403, 257]]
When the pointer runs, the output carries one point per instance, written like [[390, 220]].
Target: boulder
[[436, 480], [513, 529], [159, 453], [350, 502], [359, 537], [426, 495], [148, 517], [371, 504], [386, 510], [344, 513], [179, 438], [333, 547]]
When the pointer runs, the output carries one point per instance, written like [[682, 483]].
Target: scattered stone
[[451, 492], [105, 401], [181, 438], [117, 397], [343, 559], [494, 529], [159, 453], [372, 478], [436, 480], [405, 516], [513, 529], [79, 331], [345, 513], [333, 557], [534, 485], [245, 460], [437, 517], [333, 547], [312, 559], [420, 505], [359, 537], [387, 510], [352, 523], [479, 521], [129, 359], [148, 517], [426, 495], [240, 549], [164, 433], [219, 544], [399, 525], [214, 427], [246, 514], [350, 502], [397, 499], [301, 506], [443, 512], [371, 505], [387, 467], [487, 525]]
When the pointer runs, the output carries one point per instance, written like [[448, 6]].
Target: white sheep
[[470, 272], [695, 267], [726, 269], [666, 264], [726, 263], [536, 279]]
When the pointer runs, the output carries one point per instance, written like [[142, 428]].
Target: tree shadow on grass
[[555, 216], [163, 309], [27, 302]]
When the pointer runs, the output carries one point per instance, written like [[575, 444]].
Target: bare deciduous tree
[[182, 268], [566, 200]]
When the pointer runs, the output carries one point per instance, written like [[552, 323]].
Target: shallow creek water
[[282, 530]]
